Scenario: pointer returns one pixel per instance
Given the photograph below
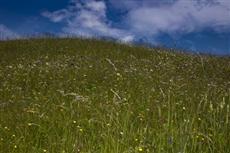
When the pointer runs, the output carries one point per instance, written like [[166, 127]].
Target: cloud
[[56, 16], [98, 6], [87, 18], [7, 34], [182, 16], [142, 19]]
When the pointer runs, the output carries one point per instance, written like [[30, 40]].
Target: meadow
[[92, 96]]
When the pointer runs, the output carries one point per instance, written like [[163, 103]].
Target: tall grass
[[89, 96]]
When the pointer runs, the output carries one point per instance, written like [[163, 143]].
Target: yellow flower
[[44, 150], [15, 146], [140, 149]]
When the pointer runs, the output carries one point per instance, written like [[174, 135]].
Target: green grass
[[89, 96]]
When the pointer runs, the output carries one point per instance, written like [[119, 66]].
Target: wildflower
[[81, 130], [222, 104], [121, 133], [118, 74], [108, 124], [74, 122], [199, 119], [44, 150], [140, 149], [136, 139], [29, 124], [184, 108], [15, 146]]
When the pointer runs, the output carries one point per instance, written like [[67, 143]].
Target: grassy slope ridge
[[89, 96]]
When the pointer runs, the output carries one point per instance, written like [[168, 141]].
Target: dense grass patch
[[89, 96]]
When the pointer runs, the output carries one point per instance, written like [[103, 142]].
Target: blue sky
[[197, 25]]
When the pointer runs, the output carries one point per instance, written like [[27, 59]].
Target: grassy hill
[[89, 96]]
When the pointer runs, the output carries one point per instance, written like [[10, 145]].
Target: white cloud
[[183, 16], [98, 6], [146, 18], [88, 19], [127, 39], [7, 34], [56, 16]]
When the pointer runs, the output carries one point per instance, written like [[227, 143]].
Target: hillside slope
[[89, 96]]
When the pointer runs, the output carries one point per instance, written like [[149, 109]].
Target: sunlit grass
[[88, 96]]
